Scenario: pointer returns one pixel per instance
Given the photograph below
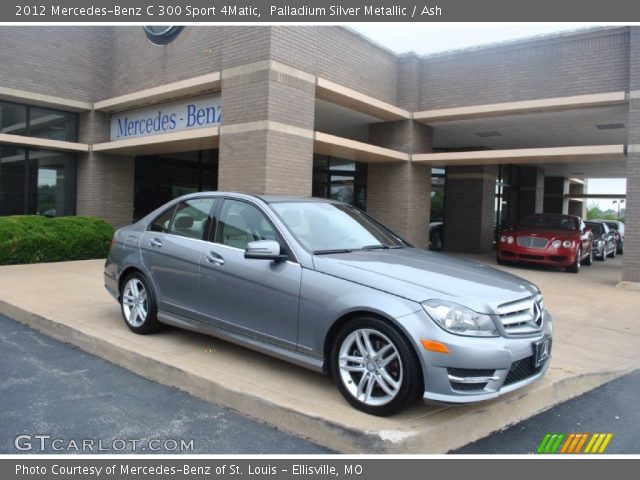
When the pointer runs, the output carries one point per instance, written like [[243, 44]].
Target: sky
[[430, 38]]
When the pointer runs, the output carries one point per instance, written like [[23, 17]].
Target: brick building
[[98, 120]]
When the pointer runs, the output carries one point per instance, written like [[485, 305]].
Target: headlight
[[599, 241], [460, 320], [510, 239], [567, 244], [556, 243], [503, 238]]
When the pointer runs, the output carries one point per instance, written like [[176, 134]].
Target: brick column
[[398, 194], [266, 140], [104, 182], [631, 259], [469, 208]]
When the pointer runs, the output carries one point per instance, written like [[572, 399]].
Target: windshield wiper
[[378, 246], [329, 251]]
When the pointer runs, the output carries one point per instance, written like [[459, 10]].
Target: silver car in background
[[321, 284]]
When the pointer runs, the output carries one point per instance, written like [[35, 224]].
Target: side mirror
[[264, 250]]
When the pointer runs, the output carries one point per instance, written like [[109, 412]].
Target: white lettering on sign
[[186, 114]]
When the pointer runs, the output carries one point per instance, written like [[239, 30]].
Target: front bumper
[[559, 257], [476, 368]]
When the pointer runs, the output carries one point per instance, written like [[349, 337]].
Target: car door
[[257, 298], [171, 254]]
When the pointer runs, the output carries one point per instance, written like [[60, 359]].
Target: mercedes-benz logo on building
[[162, 34]]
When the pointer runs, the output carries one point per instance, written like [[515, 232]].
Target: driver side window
[[241, 223]]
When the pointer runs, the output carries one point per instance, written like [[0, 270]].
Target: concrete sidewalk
[[597, 338]]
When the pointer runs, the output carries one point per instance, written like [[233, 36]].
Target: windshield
[[596, 228], [324, 227], [555, 222]]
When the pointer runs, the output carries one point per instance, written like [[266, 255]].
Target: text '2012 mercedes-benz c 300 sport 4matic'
[[321, 284]]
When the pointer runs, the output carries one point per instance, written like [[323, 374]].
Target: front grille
[[521, 370], [523, 316], [532, 242]]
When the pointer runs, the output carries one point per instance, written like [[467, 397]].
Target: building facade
[[99, 120]]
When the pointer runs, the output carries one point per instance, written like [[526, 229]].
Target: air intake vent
[[609, 126]]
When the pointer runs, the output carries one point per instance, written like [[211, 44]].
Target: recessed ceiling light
[[489, 134], [609, 126]]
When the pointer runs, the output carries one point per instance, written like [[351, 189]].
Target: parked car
[[618, 232], [547, 239], [604, 241], [320, 284]]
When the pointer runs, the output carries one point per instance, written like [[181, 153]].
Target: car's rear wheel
[[375, 367], [138, 305], [575, 266]]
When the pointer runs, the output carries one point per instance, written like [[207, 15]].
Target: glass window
[[13, 118], [162, 221], [324, 227], [12, 180], [52, 124], [41, 182], [193, 218], [340, 179], [241, 223]]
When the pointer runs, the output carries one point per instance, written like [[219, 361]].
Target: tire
[[575, 266], [138, 305], [588, 261], [378, 386]]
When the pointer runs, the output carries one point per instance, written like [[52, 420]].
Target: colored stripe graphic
[[572, 443]]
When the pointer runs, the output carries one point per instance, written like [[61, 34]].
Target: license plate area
[[541, 351]]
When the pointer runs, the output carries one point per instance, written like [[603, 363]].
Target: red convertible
[[547, 239]]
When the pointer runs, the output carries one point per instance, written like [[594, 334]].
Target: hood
[[421, 275], [549, 233]]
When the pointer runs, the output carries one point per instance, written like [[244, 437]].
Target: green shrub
[[36, 239]]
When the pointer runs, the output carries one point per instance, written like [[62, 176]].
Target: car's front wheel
[[138, 305], [375, 367], [575, 266]]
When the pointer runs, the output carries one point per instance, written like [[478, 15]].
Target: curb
[[452, 427]]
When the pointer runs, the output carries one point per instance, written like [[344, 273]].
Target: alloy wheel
[[370, 367], [135, 302]]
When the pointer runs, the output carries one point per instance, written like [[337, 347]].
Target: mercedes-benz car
[[325, 286], [604, 240]]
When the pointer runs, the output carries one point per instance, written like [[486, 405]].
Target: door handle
[[213, 257], [155, 242]]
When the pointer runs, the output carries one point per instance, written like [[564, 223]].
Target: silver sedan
[[321, 284]]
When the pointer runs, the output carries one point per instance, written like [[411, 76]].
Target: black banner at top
[[316, 11]]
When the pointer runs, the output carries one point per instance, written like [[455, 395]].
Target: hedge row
[[36, 239]]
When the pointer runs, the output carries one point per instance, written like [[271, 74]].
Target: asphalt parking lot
[[54, 389]]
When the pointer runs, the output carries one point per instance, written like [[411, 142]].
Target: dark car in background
[[604, 241], [547, 239], [618, 232]]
